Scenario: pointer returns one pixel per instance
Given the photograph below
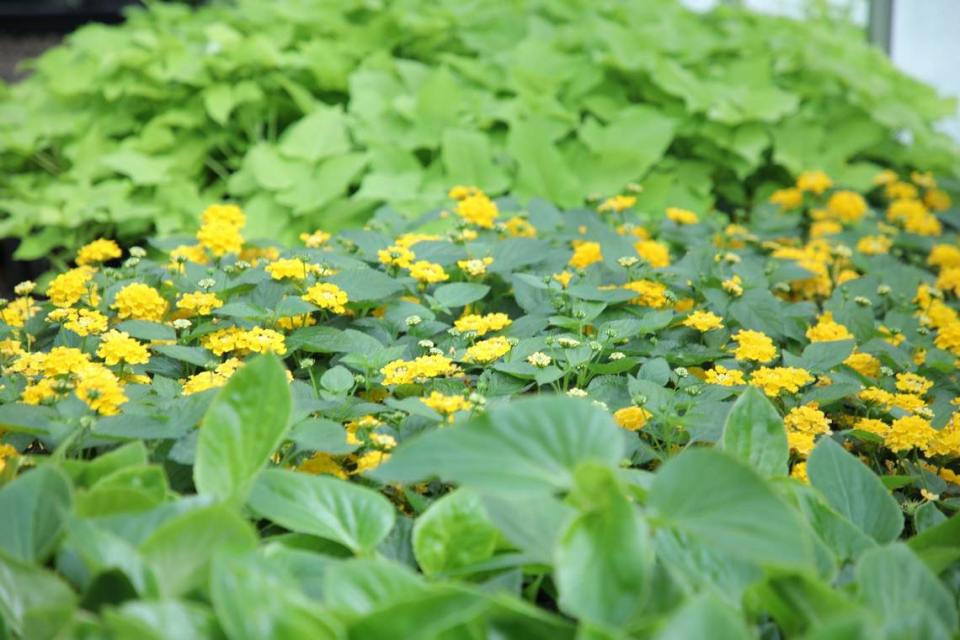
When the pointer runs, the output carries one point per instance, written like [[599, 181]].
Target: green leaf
[[366, 285], [735, 512], [253, 602], [468, 161], [144, 330], [542, 169], [337, 379], [219, 102], [854, 491], [705, 617], [330, 508], [754, 433], [459, 294], [316, 434], [34, 603], [603, 559], [453, 533], [243, 426], [361, 585], [141, 169], [161, 620], [179, 550], [318, 135], [819, 357], [895, 584], [529, 445], [36, 505]]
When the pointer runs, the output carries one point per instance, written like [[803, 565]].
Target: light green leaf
[[34, 603], [604, 559], [328, 507], [36, 505], [754, 433], [705, 617], [453, 533], [241, 430], [529, 445], [459, 294], [320, 134], [542, 170], [468, 161], [734, 512], [854, 491]]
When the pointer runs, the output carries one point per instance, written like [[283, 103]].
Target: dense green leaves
[[241, 430], [854, 491], [517, 97], [36, 507]]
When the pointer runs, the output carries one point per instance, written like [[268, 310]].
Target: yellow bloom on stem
[[229, 214], [733, 286], [519, 227], [220, 238], [327, 296], [848, 206], [799, 472], [292, 268], [83, 322], [585, 254], [314, 240], [814, 181], [260, 340], [396, 256], [948, 338], [617, 204], [140, 302], [98, 251], [118, 347], [100, 389], [874, 245], [61, 361], [650, 293], [460, 192], [828, 330], [724, 377], [322, 464], [775, 380], [944, 256], [42, 391], [478, 209], [754, 345], [632, 418], [937, 200], [482, 324], [446, 405], [703, 321], [428, 272], [807, 419], [199, 303], [475, 267], [409, 371], [488, 350], [682, 216], [790, 198], [913, 383], [69, 287], [656, 254], [17, 313], [864, 364], [563, 278], [909, 432], [897, 190]]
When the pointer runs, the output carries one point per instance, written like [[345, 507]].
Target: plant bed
[[495, 420]]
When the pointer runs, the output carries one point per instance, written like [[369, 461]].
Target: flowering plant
[[775, 397]]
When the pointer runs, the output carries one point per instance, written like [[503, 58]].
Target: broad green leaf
[[361, 585], [705, 617], [144, 330], [36, 506], [604, 559], [337, 379], [754, 433], [894, 582], [735, 511], [542, 169], [467, 159], [242, 428], [453, 533], [529, 445], [356, 517], [854, 491], [140, 168], [459, 294], [161, 620], [179, 550], [799, 602], [253, 602], [317, 135], [34, 603], [220, 102]]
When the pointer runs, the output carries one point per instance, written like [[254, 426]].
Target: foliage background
[[311, 112]]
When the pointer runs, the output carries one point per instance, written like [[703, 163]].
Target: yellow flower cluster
[[199, 303], [649, 293], [482, 324], [617, 204], [220, 231], [585, 254], [446, 405], [140, 301], [754, 345], [828, 330], [488, 350], [775, 380], [327, 296], [703, 321], [243, 341], [682, 216], [118, 347], [422, 368], [474, 207], [632, 418], [100, 250]]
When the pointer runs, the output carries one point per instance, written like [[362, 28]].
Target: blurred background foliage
[[311, 113]]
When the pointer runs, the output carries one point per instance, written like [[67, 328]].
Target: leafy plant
[[499, 422], [313, 113]]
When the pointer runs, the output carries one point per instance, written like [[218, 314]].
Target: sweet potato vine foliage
[[495, 421]]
